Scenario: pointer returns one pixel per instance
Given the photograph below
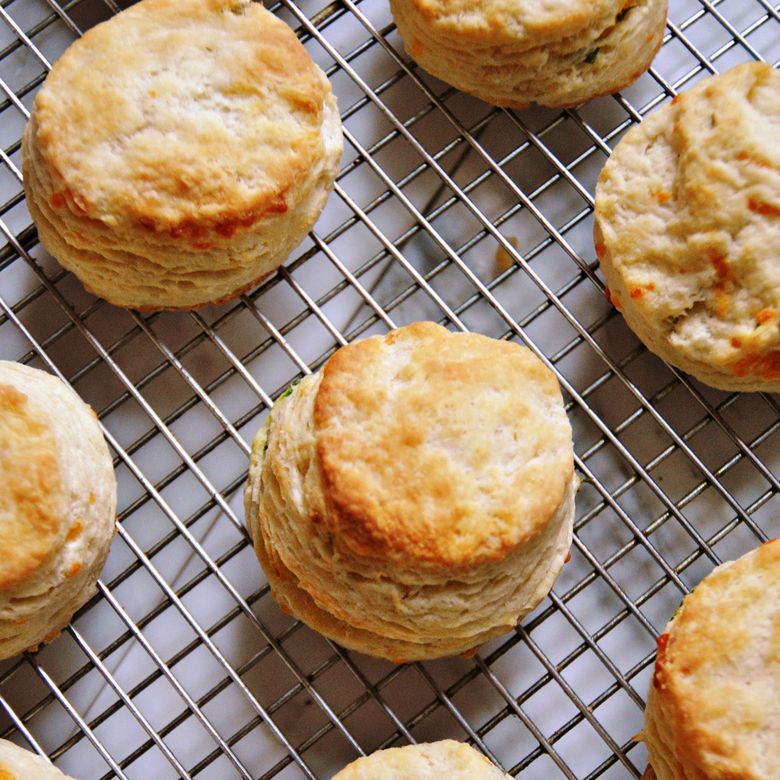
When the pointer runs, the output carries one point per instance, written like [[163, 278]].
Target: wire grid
[[447, 209]]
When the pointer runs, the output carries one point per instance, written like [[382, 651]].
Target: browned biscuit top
[[30, 488], [186, 116], [537, 20], [443, 448], [426, 761]]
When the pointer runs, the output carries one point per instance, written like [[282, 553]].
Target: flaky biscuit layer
[[512, 54]]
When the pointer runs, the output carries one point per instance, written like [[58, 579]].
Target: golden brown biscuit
[[57, 505], [428, 761], [516, 53], [415, 497], [714, 703], [688, 229], [179, 152], [19, 764]]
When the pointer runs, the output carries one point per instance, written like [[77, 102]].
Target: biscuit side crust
[[16, 763]]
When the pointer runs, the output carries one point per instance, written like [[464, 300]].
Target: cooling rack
[[445, 209]]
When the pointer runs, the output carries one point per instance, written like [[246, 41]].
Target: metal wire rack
[[447, 209]]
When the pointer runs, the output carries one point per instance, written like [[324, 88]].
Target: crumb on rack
[[503, 259]]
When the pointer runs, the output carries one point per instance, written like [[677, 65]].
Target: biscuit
[[427, 761], [19, 764], [177, 153], [415, 497], [712, 711], [688, 229], [57, 506], [513, 54]]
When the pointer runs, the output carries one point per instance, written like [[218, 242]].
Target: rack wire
[[446, 209]]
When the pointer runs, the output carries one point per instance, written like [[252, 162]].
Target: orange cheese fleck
[[613, 298], [735, 342], [769, 365], [743, 366], [91, 498], [660, 658], [663, 196], [720, 264], [764, 316], [722, 301], [74, 569], [763, 208], [636, 293], [766, 366], [75, 531], [753, 159], [600, 250]]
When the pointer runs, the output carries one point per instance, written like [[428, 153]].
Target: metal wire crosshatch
[[446, 209]]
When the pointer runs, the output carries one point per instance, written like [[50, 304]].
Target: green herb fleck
[[590, 57], [260, 444], [267, 438], [289, 391]]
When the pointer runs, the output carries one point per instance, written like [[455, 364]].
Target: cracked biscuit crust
[[688, 229], [714, 703]]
